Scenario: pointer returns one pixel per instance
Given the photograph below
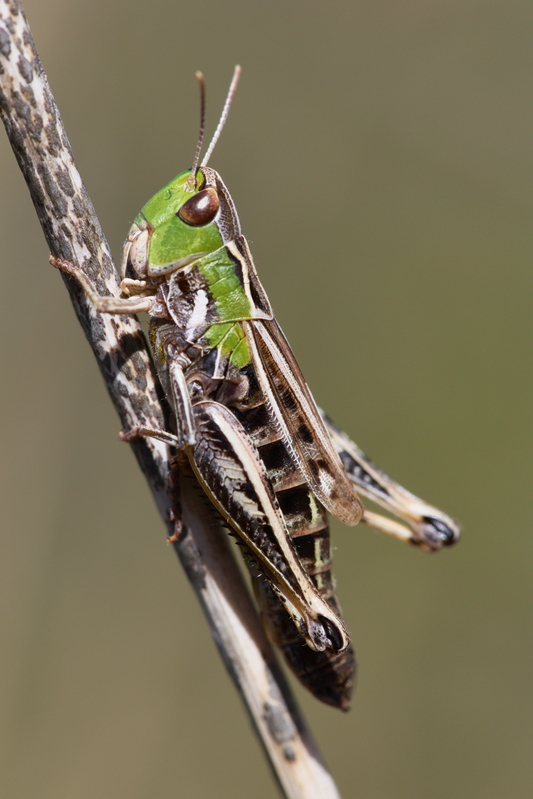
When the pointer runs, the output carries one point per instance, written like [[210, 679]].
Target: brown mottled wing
[[299, 422]]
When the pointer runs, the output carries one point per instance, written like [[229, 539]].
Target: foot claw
[[177, 534], [178, 527], [60, 263], [129, 435]]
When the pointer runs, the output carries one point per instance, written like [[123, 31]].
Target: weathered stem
[[73, 232]]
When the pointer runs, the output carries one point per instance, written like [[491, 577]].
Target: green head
[[178, 226], [183, 224]]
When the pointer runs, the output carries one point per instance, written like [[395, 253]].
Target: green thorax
[[222, 279], [230, 340]]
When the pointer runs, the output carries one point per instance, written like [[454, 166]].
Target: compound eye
[[200, 209]]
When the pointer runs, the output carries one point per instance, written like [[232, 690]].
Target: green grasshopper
[[270, 462]]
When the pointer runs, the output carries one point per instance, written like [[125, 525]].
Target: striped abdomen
[[328, 675]]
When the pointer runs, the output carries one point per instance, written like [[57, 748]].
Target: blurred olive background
[[381, 158]]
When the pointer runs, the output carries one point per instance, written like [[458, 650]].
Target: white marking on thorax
[[199, 311]]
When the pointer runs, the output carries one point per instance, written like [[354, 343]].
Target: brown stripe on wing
[[300, 424]]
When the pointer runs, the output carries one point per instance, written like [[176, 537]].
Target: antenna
[[190, 185], [224, 115]]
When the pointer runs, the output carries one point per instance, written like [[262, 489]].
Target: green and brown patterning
[[266, 457]]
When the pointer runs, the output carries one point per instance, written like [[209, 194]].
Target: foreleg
[[117, 305]]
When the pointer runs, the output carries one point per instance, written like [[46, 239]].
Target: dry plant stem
[[73, 232]]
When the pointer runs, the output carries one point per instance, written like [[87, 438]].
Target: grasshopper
[[268, 459]]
